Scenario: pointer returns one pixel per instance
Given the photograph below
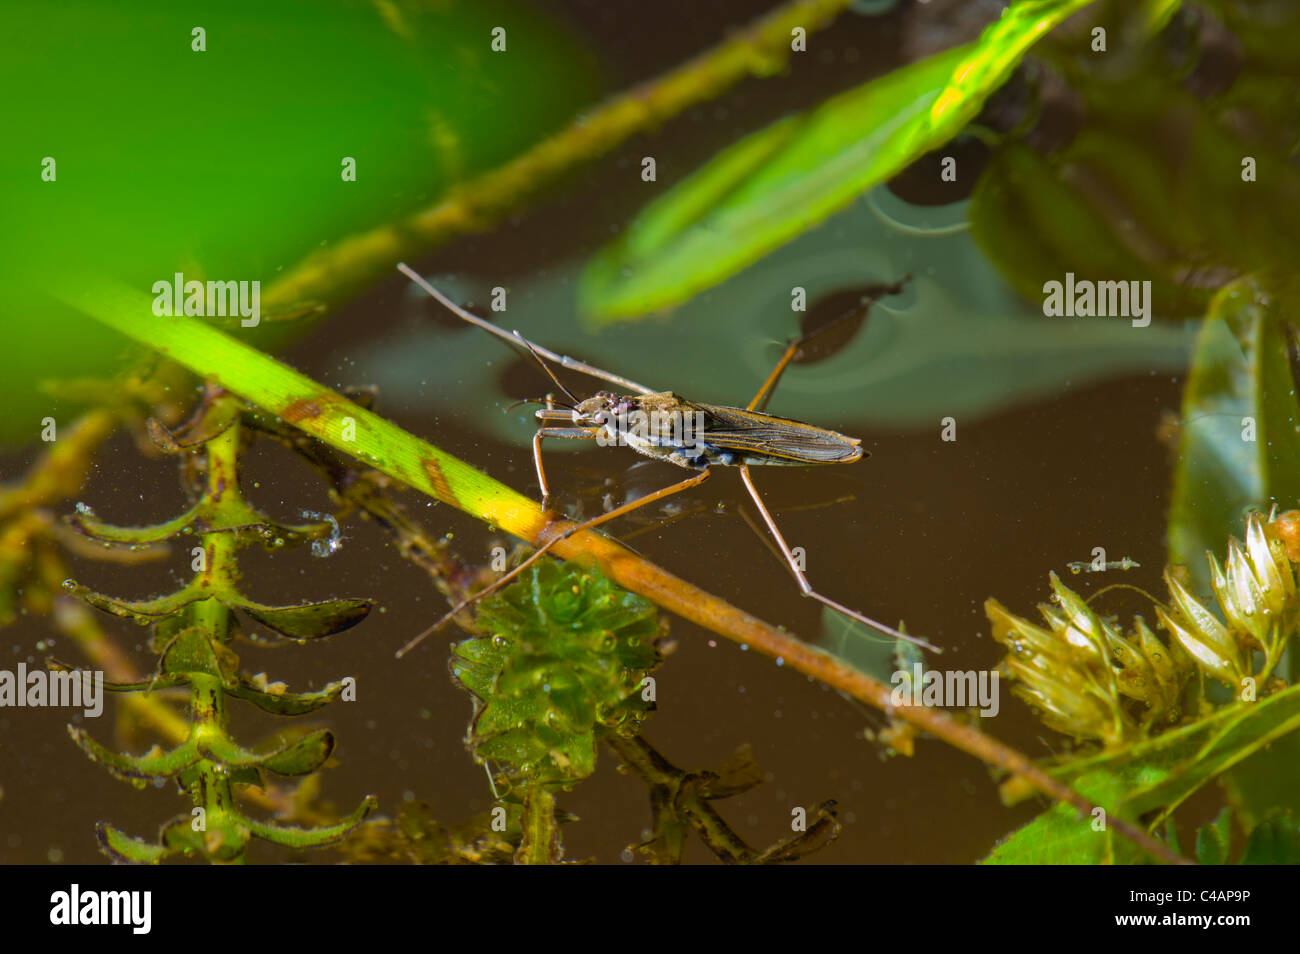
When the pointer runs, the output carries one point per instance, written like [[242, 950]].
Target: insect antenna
[[548, 401], [545, 367]]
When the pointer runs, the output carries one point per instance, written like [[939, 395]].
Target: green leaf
[[294, 837], [309, 620], [300, 757], [1115, 201], [789, 177], [1171, 836], [86, 522], [223, 838], [124, 849], [1268, 780], [1164, 771], [1156, 774], [865, 648], [1241, 381], [1060, 837], [1036, 227], [1214, 841], [190, 652], [1274, 841], [153, 765]]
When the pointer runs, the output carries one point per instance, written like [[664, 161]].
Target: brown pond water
[[930, 530]]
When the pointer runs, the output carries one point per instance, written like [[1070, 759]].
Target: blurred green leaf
[[1274, 841], [1154, 184], [1214, 841], [1266, 781], [1035, 226], [1060, 837], [1240, 438], [1156, 774], [1188, 757], [783, 180], [226, 163]]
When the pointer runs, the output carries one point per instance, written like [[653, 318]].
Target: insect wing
[[781, 440]]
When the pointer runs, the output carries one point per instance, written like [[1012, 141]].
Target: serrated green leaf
[[86, 522], [567, 654]]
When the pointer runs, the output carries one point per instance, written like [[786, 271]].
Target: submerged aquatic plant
[[193, 629], [1089, 679], [566, 663]]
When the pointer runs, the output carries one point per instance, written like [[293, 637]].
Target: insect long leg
[[766, 538], [566, 433], [792, 349], [686, 484], [765, 392], [802, 578]]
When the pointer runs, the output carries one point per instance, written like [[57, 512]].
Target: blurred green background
[[226, 164]]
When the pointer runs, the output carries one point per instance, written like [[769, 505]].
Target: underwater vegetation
[[1065, 195]]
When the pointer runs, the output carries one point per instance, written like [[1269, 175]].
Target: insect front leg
[[802, 579], [567, 433]]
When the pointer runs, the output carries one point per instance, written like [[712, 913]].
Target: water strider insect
[[666, 427]]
